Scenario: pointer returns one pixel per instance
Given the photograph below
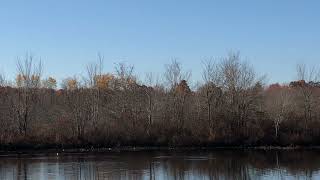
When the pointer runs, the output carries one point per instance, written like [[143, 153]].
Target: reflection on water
[[218, 164]]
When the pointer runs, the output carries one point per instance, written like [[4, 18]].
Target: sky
[[272, 35]]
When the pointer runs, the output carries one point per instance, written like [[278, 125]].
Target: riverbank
[[137, 149]]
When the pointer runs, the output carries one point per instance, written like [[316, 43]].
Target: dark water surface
[[209, 164]]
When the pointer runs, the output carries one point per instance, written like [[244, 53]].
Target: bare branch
[[174, 74], [307, 74], [29, 72]]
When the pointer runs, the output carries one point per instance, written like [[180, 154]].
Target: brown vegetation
[[231, 107]]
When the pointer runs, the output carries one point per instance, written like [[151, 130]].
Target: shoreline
[[142, 149]]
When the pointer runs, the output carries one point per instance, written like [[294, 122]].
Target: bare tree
[[2, 80], [30, 73], [231, 106], [305, 88], [125, 75], [238, 78], [94, 74], [28, 81], [149, 91], [211, 90], [94, 71], [176, 82], [174, 74], [128, 96], [278, 104], [307, 74], [237, 75]]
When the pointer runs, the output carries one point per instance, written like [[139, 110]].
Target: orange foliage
[[72, 84], [104, 80], [60, 92], [35, 78], [183, 88], [22, 80]]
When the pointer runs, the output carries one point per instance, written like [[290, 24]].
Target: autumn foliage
[[231, 107]]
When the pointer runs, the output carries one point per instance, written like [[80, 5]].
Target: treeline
[[232, 106]]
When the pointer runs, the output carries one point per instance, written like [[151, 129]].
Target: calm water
[[217, 164]]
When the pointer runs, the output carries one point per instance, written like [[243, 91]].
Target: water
[[213, 164]]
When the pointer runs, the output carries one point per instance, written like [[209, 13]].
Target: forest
[[231, 106]]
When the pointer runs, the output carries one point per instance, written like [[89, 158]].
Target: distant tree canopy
[[232, 106]]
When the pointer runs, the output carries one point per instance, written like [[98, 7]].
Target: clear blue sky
[[273, 35]]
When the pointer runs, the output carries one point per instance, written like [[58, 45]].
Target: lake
[[191, 164]]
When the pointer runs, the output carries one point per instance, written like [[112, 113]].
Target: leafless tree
[[174, 74], [211, 89], [231, 106], [94, 74], [150, 93], [237, 78], [29, 72], [308, 77], [279, 103], [307, 74], [94, 71], [2, 80], [125, 75], [178, 92], [28, 80], [237, 75], [129, 101]]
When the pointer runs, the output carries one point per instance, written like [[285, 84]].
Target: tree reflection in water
[[153, 165]]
